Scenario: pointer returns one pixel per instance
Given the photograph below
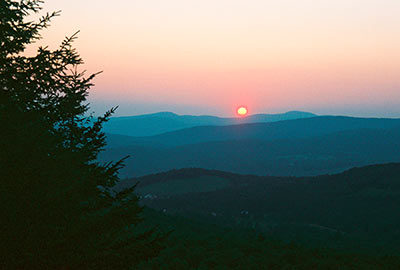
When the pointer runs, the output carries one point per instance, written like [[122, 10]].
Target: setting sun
[[242, 111]]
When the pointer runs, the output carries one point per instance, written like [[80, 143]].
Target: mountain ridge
[[292, 147], [373, 170], [293, 128], [161, 122]]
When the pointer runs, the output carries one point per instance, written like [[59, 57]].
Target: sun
[[242, 111]]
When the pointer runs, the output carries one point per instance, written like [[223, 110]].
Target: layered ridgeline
[[358, 205], [299, 147], [156, 123]]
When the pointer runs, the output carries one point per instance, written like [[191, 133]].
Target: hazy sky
[[210, 56]]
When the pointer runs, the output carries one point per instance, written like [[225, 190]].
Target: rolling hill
[[157, 123], [360, 202], [297, 128], [281, 152]]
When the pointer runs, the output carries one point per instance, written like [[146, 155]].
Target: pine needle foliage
[[57, 206]]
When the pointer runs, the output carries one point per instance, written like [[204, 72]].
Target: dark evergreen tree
[[57, 206]]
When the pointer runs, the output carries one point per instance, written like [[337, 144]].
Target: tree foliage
[[203, 245], [57, 206]]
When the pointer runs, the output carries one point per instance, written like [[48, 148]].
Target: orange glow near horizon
[[196, 57]]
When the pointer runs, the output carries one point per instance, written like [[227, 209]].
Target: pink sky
[[208, 56]]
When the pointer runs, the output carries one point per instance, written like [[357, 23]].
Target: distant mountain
[[297, 128], [116, 140], [282, 156], [358, 202], [156, 123]]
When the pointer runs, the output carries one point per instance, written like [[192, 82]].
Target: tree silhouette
[[57, 206]]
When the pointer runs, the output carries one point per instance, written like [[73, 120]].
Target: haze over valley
[[303, 144]]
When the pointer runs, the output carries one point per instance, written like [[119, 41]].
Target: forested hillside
[[357, 205], [201, 245]]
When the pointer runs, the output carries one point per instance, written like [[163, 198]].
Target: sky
[[210, 56]]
